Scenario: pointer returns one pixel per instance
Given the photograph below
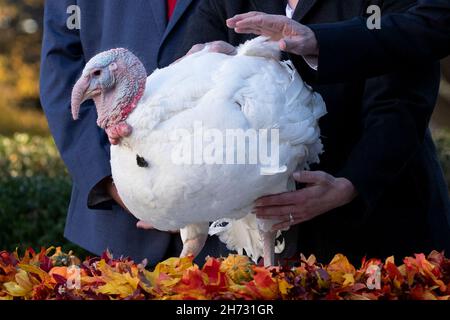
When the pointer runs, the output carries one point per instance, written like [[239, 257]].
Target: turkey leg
[[194, 237], [269, 247]]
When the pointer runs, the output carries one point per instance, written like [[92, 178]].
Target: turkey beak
[[82, 92]]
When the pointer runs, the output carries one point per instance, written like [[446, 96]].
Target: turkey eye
[[97, 73]]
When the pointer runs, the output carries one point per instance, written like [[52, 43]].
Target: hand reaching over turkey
[[292, 36], [322, 193]]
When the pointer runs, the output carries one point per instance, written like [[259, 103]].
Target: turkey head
[[115, 80]]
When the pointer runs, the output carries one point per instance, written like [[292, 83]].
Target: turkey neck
[[125, 100]]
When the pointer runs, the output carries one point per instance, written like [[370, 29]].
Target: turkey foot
[[269, 247], [194, 237]]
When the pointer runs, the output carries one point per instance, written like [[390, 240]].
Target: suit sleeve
[[82, 145], [206, 25], [415, 37], [396, 112]]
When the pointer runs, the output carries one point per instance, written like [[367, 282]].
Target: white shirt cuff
[[312, 61]]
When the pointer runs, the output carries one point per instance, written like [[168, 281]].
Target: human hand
[[292, 36], [322, 193], [147, 226], [117, 132], [111, 189], [216, 46]]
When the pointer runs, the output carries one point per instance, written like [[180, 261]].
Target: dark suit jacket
[[415, 37], [375, 135], [140, 26]]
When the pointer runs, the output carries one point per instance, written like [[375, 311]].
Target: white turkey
[[160, 174]]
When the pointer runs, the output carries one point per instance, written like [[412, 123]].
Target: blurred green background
[[34, 185]]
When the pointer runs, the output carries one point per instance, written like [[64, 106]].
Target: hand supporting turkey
[[215, 46], [292, 36], [111, 189], [322, 193]]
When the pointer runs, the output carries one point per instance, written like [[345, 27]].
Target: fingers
[[286, 224], [196, 48], [267, 25], [222, 47], [284, 199], [144, 225], [286, 45], [231, 23], [147, 226], [312, 177], [216, 46], [274, 212], [299, 40], [255, 30], [292, 45]]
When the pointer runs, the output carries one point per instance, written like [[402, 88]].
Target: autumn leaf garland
[[53, 274]]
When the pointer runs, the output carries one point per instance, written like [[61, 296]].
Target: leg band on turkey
[[164, 177]]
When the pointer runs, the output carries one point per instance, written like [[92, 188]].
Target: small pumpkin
[[238, 268]]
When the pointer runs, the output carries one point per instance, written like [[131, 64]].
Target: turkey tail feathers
[[243, 235], [260, 47]]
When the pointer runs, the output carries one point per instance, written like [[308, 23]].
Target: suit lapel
[[279, 7], [270, 6], [303, 7], [180, 9], [159, 14]]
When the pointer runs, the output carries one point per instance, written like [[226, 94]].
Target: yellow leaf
[[339, 267], [121, 284], [174, 267], [340, 263], [284, 286], [23, 280], [169, 282], [121, 287], [45, 277], [349, 280], [14, 289], [22, 287], [390, 259]]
